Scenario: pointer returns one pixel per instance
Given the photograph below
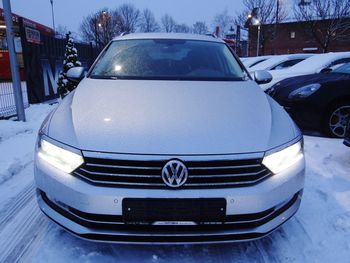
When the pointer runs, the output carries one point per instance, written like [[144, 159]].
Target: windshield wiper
[[103, 77]]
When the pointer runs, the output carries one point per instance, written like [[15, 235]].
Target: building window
[[292, 34]]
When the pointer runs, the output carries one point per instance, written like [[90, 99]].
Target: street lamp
[[53, 16], [252, 20], [256, 22]]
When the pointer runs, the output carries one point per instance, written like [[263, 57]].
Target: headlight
[[61, 158], [281, 160], [304, 92]]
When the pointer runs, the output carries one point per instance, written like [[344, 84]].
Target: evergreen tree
[[65, 86]]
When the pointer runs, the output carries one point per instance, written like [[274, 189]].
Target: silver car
[[167, 139]]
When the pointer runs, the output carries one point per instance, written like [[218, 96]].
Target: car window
[[168, 59], [339, 61], [257, 62], [287, 64], [344, 69]]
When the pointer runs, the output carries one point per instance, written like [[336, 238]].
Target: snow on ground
[[320, 231]]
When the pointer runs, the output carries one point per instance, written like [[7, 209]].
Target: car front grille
[[147, 174]]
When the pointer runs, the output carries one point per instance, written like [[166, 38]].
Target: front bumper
[[95, 212]]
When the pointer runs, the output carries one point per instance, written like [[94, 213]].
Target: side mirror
[[326, 70], [262, 77], [76, 74]]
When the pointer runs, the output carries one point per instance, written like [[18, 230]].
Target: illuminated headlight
[[281, 160], [304, 92], [63, 159]]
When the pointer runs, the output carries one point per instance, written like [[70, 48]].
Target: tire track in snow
[[16, 204], [20, 232]]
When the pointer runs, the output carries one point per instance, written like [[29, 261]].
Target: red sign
[[40, 27], [29, 23], [15, 18]]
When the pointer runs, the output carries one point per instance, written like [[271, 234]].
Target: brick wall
[[291, 38]]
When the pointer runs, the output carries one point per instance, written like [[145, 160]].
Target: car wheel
[[336, 120]]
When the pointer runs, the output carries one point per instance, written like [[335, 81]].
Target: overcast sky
[[71, 12]]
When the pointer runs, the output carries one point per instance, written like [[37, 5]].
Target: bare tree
[[168, 23], [267, 14], [129, 15], [182, 28], [200, 28], [61, 31], [240, 19], [267, 10], [224, 21], [148, 22], [100, 27], [326, 20]]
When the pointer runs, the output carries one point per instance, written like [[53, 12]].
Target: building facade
[[294, 37], [33, 32]]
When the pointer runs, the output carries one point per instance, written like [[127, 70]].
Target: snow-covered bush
[[64, 86]]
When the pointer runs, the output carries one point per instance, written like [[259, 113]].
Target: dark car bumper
[[304, 114]]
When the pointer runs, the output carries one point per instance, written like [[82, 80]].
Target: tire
[[335, 121]]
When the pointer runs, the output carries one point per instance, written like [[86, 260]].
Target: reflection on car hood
[[171, 117]]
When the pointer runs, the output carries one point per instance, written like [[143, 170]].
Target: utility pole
[[276, 25], [53, 16], [277, 11], [258, 42], [16, 80]]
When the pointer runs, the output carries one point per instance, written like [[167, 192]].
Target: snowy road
[[320, 231]]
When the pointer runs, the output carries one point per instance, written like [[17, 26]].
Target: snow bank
[[17, 141]]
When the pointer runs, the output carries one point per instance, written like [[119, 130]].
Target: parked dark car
[[347, 135], [317, 101]]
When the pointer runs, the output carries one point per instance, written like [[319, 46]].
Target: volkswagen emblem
[[174, 173]]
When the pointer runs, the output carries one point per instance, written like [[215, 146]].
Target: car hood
[[170, 117]]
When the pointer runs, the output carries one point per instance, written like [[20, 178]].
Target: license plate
[[151, 210]]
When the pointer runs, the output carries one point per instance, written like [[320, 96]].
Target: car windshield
[[169, 60], [345, 69]]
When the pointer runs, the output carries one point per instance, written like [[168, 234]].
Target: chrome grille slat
[[122, 166], [138, 173], [224, 167], [230, 183], [227, 175], [111, 182], [119, 174]]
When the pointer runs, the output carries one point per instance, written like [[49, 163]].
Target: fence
[[43, 63], [7, 99]]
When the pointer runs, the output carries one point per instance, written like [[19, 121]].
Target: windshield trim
[[170, 78], [173, 78]]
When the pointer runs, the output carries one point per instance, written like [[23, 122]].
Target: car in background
[[312, 65], [280, 62], [168, 139], [252, 61], [318, 101], [347, 134]]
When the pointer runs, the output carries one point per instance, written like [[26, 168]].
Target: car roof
[[182, 36], [251, 60], [318, 61], [275, 60]]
